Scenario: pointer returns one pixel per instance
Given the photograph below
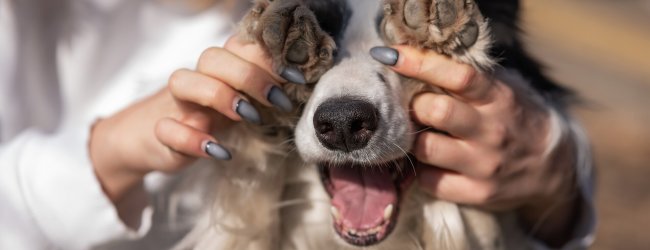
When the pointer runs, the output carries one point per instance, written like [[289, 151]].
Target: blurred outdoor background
[[601, 49]]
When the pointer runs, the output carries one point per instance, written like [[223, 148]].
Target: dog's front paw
[[452, 27], [291, 35]]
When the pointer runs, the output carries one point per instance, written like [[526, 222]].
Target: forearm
[[552, 223], [117, 180], [553, 217]]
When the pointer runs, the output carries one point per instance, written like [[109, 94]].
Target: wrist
[[551, 215], [551, 221], [113, 172]]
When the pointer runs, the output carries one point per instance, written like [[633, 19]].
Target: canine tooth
[[335, 213], [388, 212]]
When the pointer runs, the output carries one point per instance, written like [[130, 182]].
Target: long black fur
[[504, 17]]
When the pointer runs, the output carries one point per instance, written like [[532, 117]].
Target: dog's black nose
[[345, 124]]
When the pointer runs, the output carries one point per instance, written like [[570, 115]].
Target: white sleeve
[[50, 196]]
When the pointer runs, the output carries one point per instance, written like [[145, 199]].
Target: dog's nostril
[[345, 124], [361, 125], [324, 127]]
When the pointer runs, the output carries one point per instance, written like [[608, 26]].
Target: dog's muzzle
[[345, 124]]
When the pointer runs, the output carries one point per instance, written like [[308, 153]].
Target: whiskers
[[300, 202], [390, 145]]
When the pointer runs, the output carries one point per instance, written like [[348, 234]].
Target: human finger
[[187, 142], [255, 54], [458, 155], [446, 114], [194, 87], [243, 76], [435, 69], [455, 187], [441, 150]]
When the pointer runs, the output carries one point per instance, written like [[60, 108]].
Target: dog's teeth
[[388, 212], [335, 213]]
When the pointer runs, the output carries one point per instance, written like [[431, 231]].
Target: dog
[[336, 173]]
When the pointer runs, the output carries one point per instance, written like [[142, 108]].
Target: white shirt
[[63, 65]]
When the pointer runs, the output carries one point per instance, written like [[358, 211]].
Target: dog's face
[[356, 128], [355, 125]]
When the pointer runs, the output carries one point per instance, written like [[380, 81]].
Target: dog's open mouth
[[365, 198]]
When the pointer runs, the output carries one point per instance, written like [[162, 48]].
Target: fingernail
[[248, 112], [217, 151], [293, 75], [279, 99], [387, 56]]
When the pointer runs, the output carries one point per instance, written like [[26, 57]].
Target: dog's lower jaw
[[365, 198]]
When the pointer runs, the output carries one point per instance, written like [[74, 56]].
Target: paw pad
[[452, 27], [291, 36]]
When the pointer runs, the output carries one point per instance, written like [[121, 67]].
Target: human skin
[[169, 130], [496, 153]]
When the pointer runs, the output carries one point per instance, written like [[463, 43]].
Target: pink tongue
[[361, 195]]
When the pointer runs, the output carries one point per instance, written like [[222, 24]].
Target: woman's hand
[[170, 129], [496, 153]]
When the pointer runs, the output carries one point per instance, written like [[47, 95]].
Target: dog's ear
[[333, 15]]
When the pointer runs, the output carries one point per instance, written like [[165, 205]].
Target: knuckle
[[216, 94], [442, 112], [159, 130], [499, 136], [429, 148], [492, 167], [485, 194], [509, 95], [208, 55], [176, 79], [248, 75], [183, 140], [466, 76], [420, 67]]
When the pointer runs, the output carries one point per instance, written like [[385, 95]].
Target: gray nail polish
[[217, 151], [387, 56], [248, 112], [293, 75], [279, 99]]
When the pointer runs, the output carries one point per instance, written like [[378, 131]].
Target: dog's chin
[[366, 198]]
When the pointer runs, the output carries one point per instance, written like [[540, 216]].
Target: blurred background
[[601, 49]]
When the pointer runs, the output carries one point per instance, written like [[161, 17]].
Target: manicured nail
[[387, 56], [279, 99], [248, 112], [293, 75], [217, 151]]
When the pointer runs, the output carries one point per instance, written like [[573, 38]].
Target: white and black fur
[[271, 196]]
